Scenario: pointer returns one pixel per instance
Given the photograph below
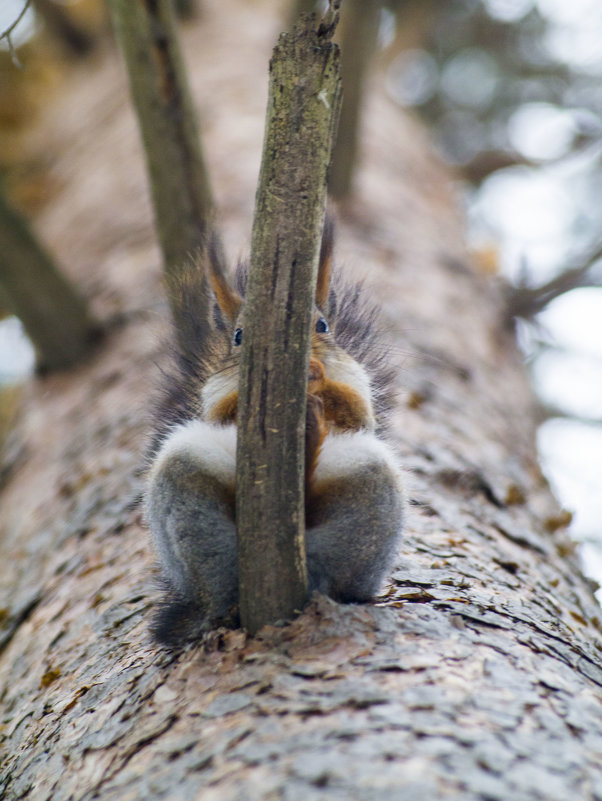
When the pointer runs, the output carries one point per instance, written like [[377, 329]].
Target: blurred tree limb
[[359, 29], [181, 193], [53, 314], [357, 36], [526, 302]]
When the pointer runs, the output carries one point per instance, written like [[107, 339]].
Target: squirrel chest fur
[[353, 487]]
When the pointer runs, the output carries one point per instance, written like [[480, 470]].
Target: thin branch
[[526, 302], [547, 411], [167, 118], [359, 31], [6, 34], [13, 53]]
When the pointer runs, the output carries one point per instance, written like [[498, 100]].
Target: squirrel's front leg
[[315, 425], [343, 408], [353, 516], [190, 509], [226, 410]]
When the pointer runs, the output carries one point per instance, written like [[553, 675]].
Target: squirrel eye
[[237, 337], [322, 326]]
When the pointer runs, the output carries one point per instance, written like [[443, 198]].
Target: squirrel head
[[230, 301], [346, 342]]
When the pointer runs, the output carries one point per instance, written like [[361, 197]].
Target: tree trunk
[[301, 120], [476, 676]]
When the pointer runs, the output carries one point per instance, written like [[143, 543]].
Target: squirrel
[[354, 496]]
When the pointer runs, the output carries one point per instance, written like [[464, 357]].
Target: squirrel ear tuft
[[325, 263], [228, 300]]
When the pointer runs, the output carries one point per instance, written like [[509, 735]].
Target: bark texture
[[303, 107], [477, 676]]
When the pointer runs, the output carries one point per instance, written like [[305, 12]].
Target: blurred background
[[512, 92]]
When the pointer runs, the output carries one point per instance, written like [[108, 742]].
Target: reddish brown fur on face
[[225, 411]]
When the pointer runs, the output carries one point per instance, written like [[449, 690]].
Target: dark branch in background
[[181, 193], [526, 302], [31, 286], [359, 29], [303, 106]]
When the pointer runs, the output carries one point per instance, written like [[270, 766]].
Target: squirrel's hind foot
[[177, 622]]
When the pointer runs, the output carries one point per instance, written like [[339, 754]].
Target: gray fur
[[192, 520], [353, 535], [354, 504]]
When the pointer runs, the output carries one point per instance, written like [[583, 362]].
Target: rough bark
[[32, 287], [477, 675], [303, 106]]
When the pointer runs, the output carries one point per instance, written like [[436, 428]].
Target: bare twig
[[6, 34], [526, 302], [550, 412]]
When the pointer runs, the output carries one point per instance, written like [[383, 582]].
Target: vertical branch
[[359, 28], [180, 186], [53, 314], [303, 105]]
